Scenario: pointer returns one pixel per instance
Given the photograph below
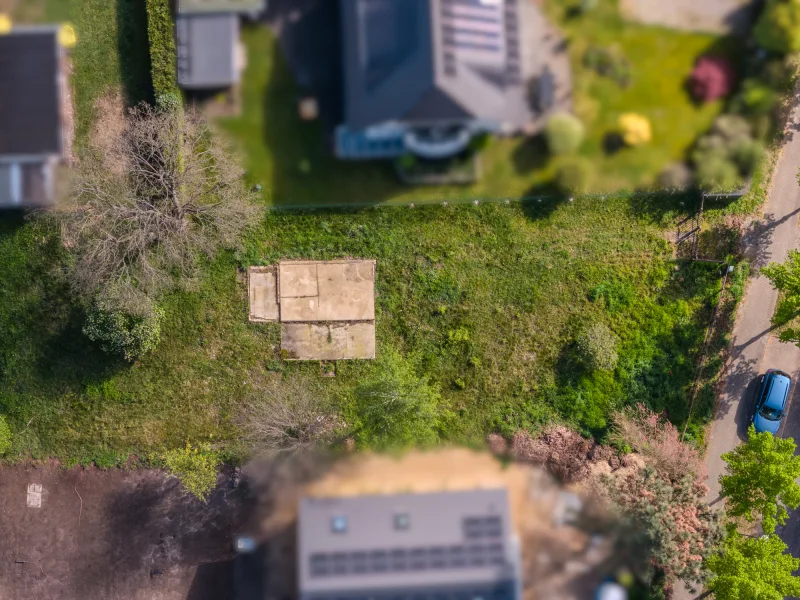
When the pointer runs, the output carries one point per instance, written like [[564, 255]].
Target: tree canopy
[[761, 479], [753, 569]]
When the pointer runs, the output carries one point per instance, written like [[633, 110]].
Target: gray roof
[[220, 6], [207, 50], [30, 100], [431, 61], [406, 544]]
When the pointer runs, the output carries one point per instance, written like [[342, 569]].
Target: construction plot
[[326, 308]]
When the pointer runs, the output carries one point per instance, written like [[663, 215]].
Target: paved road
[[754, 347]]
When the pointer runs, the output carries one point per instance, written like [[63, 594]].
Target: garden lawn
[[482, 301], [274, 141]]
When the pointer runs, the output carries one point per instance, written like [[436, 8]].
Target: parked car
[[771, 401]]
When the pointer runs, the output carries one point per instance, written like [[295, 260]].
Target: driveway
[[115, 534], [754, 346]]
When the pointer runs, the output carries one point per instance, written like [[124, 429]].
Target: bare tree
[[289, 417], [155, 192]]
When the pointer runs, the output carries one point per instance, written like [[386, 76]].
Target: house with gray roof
[[31, 115], [451, 544], [426, 76], [210, 53]]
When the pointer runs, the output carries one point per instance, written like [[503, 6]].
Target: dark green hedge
[[161, 31]]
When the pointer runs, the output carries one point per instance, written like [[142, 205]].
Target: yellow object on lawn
[[67, 36], [635, 129], [5, 24]]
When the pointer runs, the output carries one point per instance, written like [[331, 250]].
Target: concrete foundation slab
[[263, 292], [329, 341], [338, 290]]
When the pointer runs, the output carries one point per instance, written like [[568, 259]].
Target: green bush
[[597, 347], [480, 142], [196, 468], [676, 176], [161, 34], [396, 408], [120, 331], [5, 436], [755, 98], [564, 133], [747, 155], [717, 173], [573, 175], [778, 27]]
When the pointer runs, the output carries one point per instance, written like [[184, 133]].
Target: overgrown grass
[[483, 301], [274, 140]]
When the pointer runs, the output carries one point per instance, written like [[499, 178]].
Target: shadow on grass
[[134, 51]]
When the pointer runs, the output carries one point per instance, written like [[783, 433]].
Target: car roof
[[777, 390]]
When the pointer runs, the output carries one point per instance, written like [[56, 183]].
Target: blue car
[[771, 401]]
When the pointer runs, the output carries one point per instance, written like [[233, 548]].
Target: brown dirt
[[137, 536]]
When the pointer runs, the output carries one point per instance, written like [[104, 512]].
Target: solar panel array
[[483, 548], [483, 32]]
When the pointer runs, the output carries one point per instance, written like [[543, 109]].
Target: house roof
[[400, 544], [431, 60], [207, 50], [220, 6], [30, 103]]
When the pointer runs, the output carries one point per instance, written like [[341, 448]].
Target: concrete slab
[[263, 292], [338, 290], [298, 279], [330, 341]]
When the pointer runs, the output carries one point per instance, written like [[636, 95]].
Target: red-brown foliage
[[712, 77]]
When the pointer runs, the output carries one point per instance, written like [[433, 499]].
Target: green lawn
[[274, 140], [483, 301]]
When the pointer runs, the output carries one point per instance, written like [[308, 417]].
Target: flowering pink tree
[[712, 77]]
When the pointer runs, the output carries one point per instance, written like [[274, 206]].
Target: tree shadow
[[133, 48], [530, 154]]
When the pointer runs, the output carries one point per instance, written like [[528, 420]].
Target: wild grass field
[[482, 302]]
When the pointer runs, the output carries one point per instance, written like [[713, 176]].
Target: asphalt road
[[755, 347]]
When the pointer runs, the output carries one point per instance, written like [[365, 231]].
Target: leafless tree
[[155, 192], [289, 417]]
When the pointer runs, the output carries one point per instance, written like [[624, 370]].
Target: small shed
[[207, 50]]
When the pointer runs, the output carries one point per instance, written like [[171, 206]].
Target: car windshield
[[771, 414]]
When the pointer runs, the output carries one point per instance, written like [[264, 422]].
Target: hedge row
[[161, 32]]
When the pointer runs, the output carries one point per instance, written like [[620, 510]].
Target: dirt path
[[755, 348], [115, 534]]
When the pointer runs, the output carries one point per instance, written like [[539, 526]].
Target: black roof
[[30, 116], [431, 60]]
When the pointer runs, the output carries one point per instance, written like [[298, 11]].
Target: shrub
[[677, 176], [778, 27], [396, 408], [564, 133], [755, 98], [747, 154], [5, 436], [480, 142], [712, 77], [679, 529], [732, 128], [658, 441], [597, 347], [635, 129], [196, 468], [608, 62], [573, 175], [289, 417], [161, 34], [130, 331], [717, 173]]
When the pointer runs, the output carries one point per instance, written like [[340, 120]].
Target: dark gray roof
[[30, 114], [431, 60], [207, 50], [407, 544]]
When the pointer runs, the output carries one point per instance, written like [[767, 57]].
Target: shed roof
[[207, 50], [393, 544], [431, 60], [30, 102]]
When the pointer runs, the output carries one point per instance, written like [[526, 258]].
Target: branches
[[154, 194]]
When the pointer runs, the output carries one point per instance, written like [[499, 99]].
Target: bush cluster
[[161, 34], [727, 152], [564, 133], [196, 468], [608, 62], [119, 331], [597, 347], [778, 27], [5, 436]]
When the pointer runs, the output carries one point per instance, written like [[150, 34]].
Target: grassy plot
[[274, 141], [483, 302]]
